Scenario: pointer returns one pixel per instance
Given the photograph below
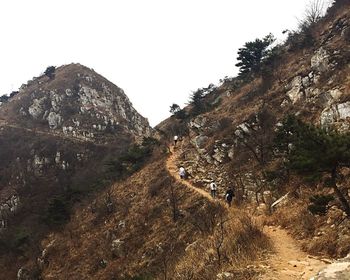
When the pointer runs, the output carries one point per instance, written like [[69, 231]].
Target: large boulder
[[335, 113], [339, 270]]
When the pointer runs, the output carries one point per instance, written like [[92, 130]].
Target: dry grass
[[235, 243], [319, 235]]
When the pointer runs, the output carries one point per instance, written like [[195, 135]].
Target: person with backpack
[[229, 196], [213, 189], [175, 140], [182, 172]]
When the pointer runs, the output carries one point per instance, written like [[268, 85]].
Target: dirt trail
[[287, 262], [174, 172]]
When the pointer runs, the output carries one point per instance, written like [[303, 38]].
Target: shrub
[[319, 203], [57, 212], [50, 72], [131, 160], [4, 98], [13, 93]]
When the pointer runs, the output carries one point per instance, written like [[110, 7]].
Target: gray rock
[[339, 270], [320, 61], [117, 248], [69, 92], [198, 122], [335, 93], [22, 112], [200, 141], [231, 153], [295, 89], [224, 276], [306, 81], [219, 155], [335, 113], [54, 120], [23, 274], [37, 108]]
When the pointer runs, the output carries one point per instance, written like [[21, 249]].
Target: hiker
[[229, 196], [175, 139], [213, 188], [182, 172]]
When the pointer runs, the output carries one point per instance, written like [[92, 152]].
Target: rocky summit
[[75, 102]]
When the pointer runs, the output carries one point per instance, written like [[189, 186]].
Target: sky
[[157, 51]]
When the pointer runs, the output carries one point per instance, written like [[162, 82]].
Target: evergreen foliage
[[318, 204], [196, 100], [174, 108], [50, 72], [252, 54], [57, 211], [314, 152], [177, 111]]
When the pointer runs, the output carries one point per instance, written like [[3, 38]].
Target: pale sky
[[158, 51]]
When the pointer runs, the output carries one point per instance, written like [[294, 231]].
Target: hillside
[[147, 223], [56, 136]]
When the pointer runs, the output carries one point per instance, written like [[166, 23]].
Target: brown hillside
[[56, 136]]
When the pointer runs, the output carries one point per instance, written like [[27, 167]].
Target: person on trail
[[175, 139], [213, 189], [229, 196], [182, 172]]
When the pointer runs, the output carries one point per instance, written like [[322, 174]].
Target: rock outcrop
[[339, 270]]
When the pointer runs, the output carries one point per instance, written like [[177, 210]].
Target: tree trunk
[[341, 197]]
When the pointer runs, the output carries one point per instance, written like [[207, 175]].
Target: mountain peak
[[75, 100]]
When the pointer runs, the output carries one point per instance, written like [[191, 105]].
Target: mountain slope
[[56, 136]]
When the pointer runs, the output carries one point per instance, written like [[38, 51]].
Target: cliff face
[[56, 136]]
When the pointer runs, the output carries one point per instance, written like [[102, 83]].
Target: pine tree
[[314, 152], [252, 54]]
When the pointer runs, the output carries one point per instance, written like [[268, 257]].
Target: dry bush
[[320, 235], [299, 220], [235, 243], [206, 218]]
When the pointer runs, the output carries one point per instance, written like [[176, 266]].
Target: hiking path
[[287, 261]]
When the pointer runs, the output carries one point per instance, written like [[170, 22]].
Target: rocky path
[[174, 172], [287, 262]]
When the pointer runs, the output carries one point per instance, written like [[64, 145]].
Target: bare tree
[[219, 239], [315, 9], [174, 198], [167, 255], [108, 202]]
